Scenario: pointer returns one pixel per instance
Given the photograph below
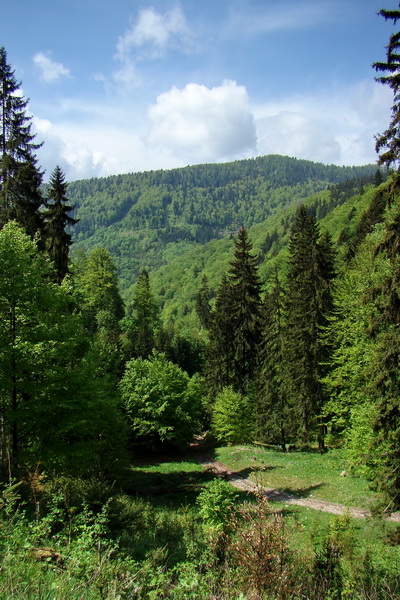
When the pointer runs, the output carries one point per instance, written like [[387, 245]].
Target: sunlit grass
[[307, 474]]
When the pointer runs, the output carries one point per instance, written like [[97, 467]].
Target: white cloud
[[156, 31], [295, 134], [203, 124], [149, 37], [335, 126], [197, 124], [50, 70]]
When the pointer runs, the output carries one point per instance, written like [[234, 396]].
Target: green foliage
[[307, 305], [217, 505], [232, 418], [161, 402], [55, 404], [141, 327]]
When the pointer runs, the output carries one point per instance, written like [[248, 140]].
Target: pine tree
[[56, 218], [142, 325], [220, 363], [274, 421], [308, 301], [245, 310], [20, 178], [389, 141]]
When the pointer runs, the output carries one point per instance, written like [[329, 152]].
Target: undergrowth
[[70, 538]]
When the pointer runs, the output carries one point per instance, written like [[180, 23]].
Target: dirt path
[[246, 484]]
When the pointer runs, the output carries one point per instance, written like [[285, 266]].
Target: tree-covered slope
[[338, 210], [148, 219]]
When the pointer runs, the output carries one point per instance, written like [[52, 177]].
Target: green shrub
[[232, 419], [161, 402]]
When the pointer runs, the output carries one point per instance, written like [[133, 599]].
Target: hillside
[[149, 219], [176, 284]]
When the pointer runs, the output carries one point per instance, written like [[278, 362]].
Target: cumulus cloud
[[50, 70], [203, 124], [337, 126]]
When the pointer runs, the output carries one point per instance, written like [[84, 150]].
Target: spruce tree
[[203, 308], [385, 372], [308, 301], [389, 141], [57, 219], [220, 362], [20, 177], [274, 421], [245, 310], [142, 324]]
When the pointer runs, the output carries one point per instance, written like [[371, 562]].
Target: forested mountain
[[176, 284], [147, 219]]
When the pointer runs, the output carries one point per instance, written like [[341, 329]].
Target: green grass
[[305, 474]]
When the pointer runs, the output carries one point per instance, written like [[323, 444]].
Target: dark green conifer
[[245, 310], [389, 141], [57, 219], [274, 421], [143, 321], [220, 363], [203, 308], [20, 178], [308, 301]]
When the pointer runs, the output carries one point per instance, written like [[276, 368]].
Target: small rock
[[343, 474]]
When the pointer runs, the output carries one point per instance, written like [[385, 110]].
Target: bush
[[161, 402], [232, 419]]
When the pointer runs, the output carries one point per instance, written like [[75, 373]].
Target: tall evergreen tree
[[385, 372], [142, 324], [308, 301], [389, 141], [56, 218], [274, 421], [220, 363], [20, 177], [245, 310]]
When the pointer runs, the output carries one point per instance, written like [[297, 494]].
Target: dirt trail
[[246, 484]]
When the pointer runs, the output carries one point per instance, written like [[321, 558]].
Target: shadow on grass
[[169, 485], [302, 492], [248, 471]]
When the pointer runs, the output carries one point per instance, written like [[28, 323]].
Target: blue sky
[[126, 85]]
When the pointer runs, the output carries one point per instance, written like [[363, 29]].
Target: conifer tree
[[56, 218], [142, 323], [20, 178], [220, 363], [245, 310], [274, 421], [308, 301], [203, 308], [389, 141], [385, 367]]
